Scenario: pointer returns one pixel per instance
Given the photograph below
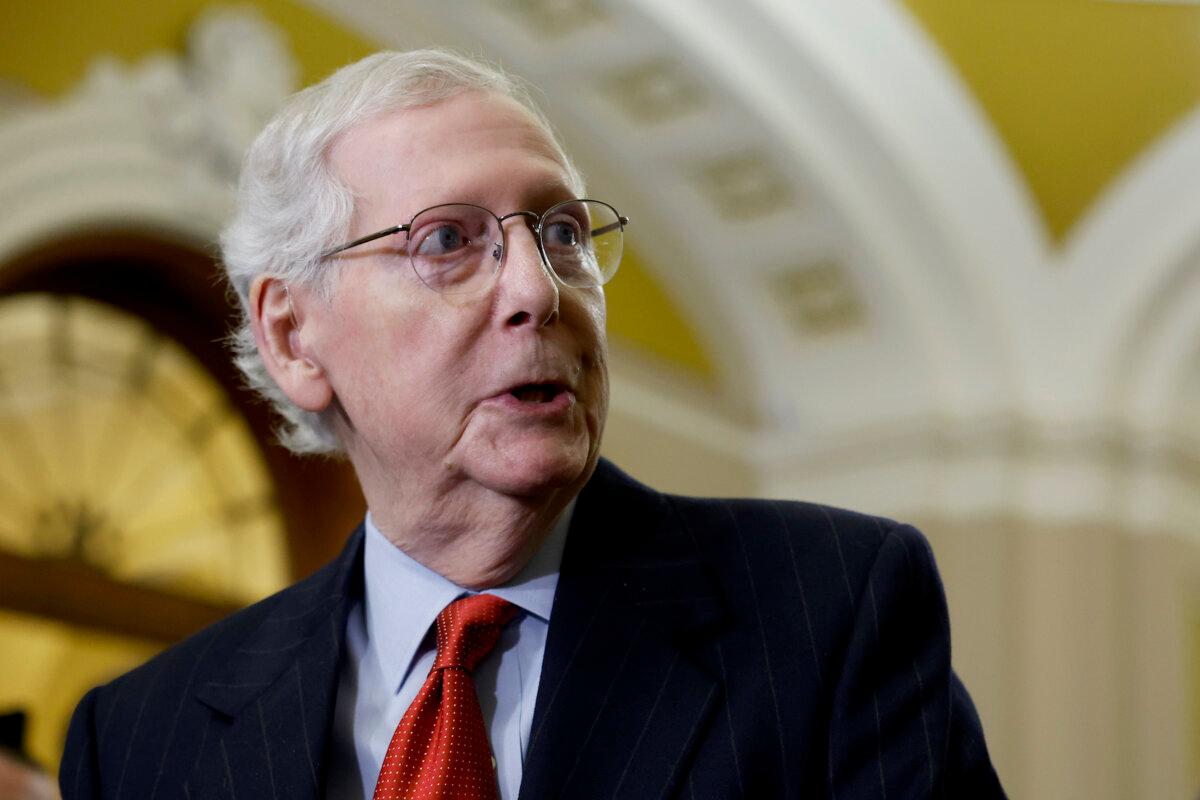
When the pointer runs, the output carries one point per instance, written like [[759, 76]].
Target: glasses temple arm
[[612, 226], [370, 237]]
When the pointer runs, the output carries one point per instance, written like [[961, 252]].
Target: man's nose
[[528, 291]]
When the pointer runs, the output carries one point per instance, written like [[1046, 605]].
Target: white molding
[[1001, 467], [151, 147]]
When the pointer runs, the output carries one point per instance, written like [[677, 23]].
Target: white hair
[[291, 207]]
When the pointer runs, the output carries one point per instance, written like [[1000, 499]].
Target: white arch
[[1133, 266], [857, 94]]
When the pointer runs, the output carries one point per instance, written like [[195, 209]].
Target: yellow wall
[[1075, 88], [48, 46]]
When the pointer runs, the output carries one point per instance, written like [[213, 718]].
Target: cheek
[[363, 345], [600, 391], [586, 315], [595, 340], [594, 352]]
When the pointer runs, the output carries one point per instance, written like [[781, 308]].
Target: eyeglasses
[[457, 248]]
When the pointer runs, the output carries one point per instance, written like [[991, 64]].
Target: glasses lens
[[582, 240], [455, 248]]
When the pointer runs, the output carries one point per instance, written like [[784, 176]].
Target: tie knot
[[468, 629]]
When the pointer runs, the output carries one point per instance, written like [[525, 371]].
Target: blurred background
[[932, 259]]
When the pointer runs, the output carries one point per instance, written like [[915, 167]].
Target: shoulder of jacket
[[214, 643]]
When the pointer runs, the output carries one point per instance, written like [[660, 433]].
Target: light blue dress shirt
[[390, 649]]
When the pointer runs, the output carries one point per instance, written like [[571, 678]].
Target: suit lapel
[[275, 698], [620, 703]]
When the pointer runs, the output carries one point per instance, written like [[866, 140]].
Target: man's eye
[[561, 233], [442, 240]]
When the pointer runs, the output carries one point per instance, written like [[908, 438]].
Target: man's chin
[[533, 473]]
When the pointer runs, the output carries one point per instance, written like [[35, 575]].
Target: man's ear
[[276, 323]]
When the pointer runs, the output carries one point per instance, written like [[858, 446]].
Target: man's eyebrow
[[536, 197], [545, 195]]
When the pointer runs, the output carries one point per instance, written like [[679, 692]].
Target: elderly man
[[421, 283]]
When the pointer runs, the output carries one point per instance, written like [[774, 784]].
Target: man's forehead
[[472, 119]]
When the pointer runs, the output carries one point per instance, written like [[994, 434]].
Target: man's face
[[506, 388]]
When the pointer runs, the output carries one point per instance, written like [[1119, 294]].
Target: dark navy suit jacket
[[698, 648]]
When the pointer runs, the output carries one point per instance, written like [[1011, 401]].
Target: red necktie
[[440, 748]]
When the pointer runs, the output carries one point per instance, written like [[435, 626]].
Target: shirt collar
[[403, 597]]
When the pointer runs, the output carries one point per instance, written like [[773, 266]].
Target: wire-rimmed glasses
[[457, 248]]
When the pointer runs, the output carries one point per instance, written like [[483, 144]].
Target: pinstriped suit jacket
[[697, 648]]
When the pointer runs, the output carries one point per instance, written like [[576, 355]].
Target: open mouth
[[537, 392]]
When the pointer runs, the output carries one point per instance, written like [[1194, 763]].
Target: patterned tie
[[440, 748]]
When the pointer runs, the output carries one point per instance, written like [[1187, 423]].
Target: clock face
[[122, 452], [123, 459]]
